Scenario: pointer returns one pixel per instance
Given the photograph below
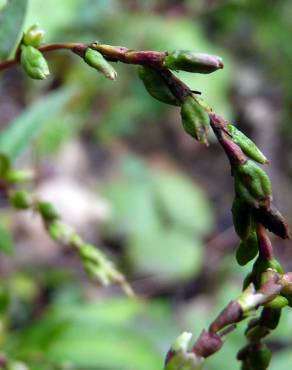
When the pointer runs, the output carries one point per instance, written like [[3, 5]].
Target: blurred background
[[121, 170]]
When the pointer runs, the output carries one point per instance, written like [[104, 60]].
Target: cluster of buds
[[32, 60], [162, 85], [255, 355], [36, 66], [95, 263], [253, 194], [253, 213]]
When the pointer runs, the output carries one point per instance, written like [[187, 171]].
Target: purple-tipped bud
[[230, 315], [185, 60], [207, 344], [179, 356], [272, 219]]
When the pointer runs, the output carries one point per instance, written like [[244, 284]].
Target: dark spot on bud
[[272, 219]]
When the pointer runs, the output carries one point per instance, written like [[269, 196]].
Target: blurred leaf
[[132, 199], [282, 334], [163, 217], [20, 132], [41, 12], [2, 4], [57, 132], [11, 20], [6, 241], [169, 254], [133, 210], [183, 203], [98, 336], [282, 360]]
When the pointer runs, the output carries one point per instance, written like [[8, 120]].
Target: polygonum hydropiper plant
[[267, 287]]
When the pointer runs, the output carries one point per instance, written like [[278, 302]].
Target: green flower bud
[[34, 63], [246, 145], [47, 211], [272, 220], [4, 299], [33, 36], [247, 249], [261, 357], [4, 165], [182, 342], [242, 218], [275, 265], [96, 60], [277, 303], [260, 266], [21, 200], [60, 232], [256, 357], [19, 176], [97, 273], [288, 296], [185, 60], [195, 119], [252, 184], [89, 252], [270, 317], [256, 332], [180, 357], [156, 86]]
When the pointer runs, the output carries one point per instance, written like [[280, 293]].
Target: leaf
[[2, 4], [183, 203], [162, 217], [6, 241], [116, 334], [12, 16], [132, 200], [168, 254], [25, 128]]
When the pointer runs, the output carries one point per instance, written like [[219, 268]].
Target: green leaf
[[183, 203], [116, 334], [12, 16], [133, 211], [6, 241], [132, 199], [25, 128], [2, 4], [168, 254], [163, 217]]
